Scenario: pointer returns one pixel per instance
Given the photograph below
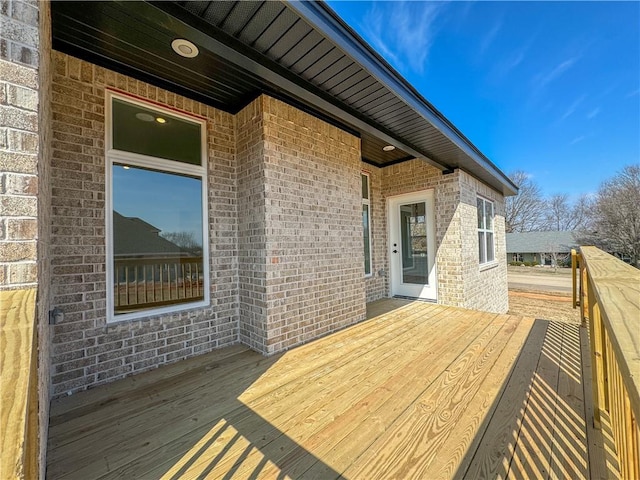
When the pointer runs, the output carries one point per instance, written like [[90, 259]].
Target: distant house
[[136, 238], [542, 248]]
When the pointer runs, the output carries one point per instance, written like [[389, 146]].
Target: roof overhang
[[300, 52]]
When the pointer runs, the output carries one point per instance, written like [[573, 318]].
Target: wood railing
[[19, 447], [155, 282], [609, 300]]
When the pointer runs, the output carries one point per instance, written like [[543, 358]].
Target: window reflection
[[141, 130], [415, 267], [157, 238]]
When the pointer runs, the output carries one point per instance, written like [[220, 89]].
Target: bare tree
[[183, 239], [582, 213], [554, 254], [616, 214], [560, 215], [524, 212]]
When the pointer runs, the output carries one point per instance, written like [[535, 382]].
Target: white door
[[412, 251]]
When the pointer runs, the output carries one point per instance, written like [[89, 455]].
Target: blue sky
[[552, 88], [171, 203]]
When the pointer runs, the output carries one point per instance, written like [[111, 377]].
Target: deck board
[[416, 391], [532, 455], [314, 416]]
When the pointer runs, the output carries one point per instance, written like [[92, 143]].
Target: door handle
[[395, 251]]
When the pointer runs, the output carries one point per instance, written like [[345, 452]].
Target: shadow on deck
[[417, 391]]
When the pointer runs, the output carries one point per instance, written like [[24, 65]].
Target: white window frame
[[485, 230], [162, 165], [367, 201]]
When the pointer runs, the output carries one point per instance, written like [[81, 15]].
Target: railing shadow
[[222, 419], [536, 427], [249, 416], [192, 426]]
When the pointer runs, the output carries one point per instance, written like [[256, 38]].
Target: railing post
[[604, 345], [584, 295], [595, 324], [574, 265]]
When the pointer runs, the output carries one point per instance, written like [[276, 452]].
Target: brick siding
[[461, 280], [416, 175], [286, 260], [485, 288], [86, 351], [251, 226], [300, 247], [377, 285], [19, 143], [314, 249]]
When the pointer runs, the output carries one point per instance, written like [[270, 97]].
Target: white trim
[[428, 291], [367, 201], [487, 263], [162, 165]]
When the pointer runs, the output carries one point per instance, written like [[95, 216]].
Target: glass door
[[413, 235], [412, 245]]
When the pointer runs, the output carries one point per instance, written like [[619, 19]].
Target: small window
[[486, 251], [366, 222], [156, 225], [143, 130]]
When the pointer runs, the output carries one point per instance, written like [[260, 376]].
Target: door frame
[[396, 286]]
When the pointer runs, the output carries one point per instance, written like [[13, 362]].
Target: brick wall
[[314, 257], [19, 128], [485, 288], [251, 226], [87, 351], [461, 281], [25, 138], [377, 285], [416, 175], [285, 233]]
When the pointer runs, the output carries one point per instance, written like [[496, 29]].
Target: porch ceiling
[[300, 52]]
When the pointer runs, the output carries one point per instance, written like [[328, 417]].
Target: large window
[[366, 222], [156, 210], [485, 231]]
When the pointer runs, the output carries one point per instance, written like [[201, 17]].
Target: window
[[156, 210], [517, 257], [366, 222], [485, 230]]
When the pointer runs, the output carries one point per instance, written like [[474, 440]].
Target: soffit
[[281, 49]]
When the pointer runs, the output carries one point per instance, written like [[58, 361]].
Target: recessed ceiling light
[[145, 117], [184, 48], [161, 120], [388, 148]]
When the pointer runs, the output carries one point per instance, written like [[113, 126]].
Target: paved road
[[541, 283]]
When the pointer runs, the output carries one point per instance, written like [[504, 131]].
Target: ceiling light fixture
[[161, 120], [184, 48], [388, 148], [145, 117]]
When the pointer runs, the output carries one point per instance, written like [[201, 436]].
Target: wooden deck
[[417, 391]]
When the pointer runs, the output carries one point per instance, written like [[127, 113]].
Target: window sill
[[489, 265], [156, 312]]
